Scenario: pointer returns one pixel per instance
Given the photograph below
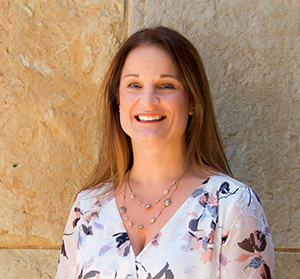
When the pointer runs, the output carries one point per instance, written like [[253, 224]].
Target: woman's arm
[[247, 250], [67, 265]]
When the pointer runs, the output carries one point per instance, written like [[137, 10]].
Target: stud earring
[[191, 111]]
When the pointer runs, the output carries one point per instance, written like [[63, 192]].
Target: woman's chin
[[148, 139], [157, 140]]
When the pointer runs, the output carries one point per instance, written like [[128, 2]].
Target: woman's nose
[[149, 97]]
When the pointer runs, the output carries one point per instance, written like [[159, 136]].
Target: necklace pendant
[[147, 206], [167, 202], [153, 220], [140, 227], [122, 209]]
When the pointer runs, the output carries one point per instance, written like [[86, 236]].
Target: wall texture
[[53, 55]]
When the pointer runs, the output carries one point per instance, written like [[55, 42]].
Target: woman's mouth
[[149, 118]]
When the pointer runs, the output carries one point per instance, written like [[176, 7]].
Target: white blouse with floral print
[[220, 231]]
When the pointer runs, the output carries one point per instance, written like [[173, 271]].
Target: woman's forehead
[[149, 58]]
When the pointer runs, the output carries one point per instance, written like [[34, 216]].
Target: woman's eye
[[134, 85], [167, 86]]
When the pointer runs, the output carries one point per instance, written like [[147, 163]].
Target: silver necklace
[[123, 210], [167, 202]]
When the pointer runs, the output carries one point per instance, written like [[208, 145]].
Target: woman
[[161, 202]]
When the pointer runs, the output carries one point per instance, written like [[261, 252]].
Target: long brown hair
[[204, 145]]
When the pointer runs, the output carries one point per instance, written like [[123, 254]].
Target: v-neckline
[[146, 247]]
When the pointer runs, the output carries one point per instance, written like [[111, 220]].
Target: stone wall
[[53, 56]]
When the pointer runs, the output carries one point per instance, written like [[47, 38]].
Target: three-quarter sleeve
[[247, 249], [67, 265]]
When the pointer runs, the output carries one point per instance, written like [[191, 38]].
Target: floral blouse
[[220, 231]]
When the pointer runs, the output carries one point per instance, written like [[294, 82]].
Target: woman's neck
[[157, 167]]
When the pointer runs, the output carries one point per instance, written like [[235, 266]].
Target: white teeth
[[149, 118]]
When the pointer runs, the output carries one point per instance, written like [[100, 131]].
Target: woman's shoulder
[[236, 202], [96, 196], [220, 181], [227, 189]]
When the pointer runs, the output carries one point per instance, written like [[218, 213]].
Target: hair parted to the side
[[204, 145]]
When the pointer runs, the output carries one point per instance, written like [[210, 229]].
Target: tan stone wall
[[53, 55]]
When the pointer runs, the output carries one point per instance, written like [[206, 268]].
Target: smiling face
[[153, 104]]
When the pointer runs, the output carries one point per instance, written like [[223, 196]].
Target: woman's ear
[[191, 110]]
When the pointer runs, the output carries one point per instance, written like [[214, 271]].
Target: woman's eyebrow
[[162, 76], [131, 75], [171, 76]]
